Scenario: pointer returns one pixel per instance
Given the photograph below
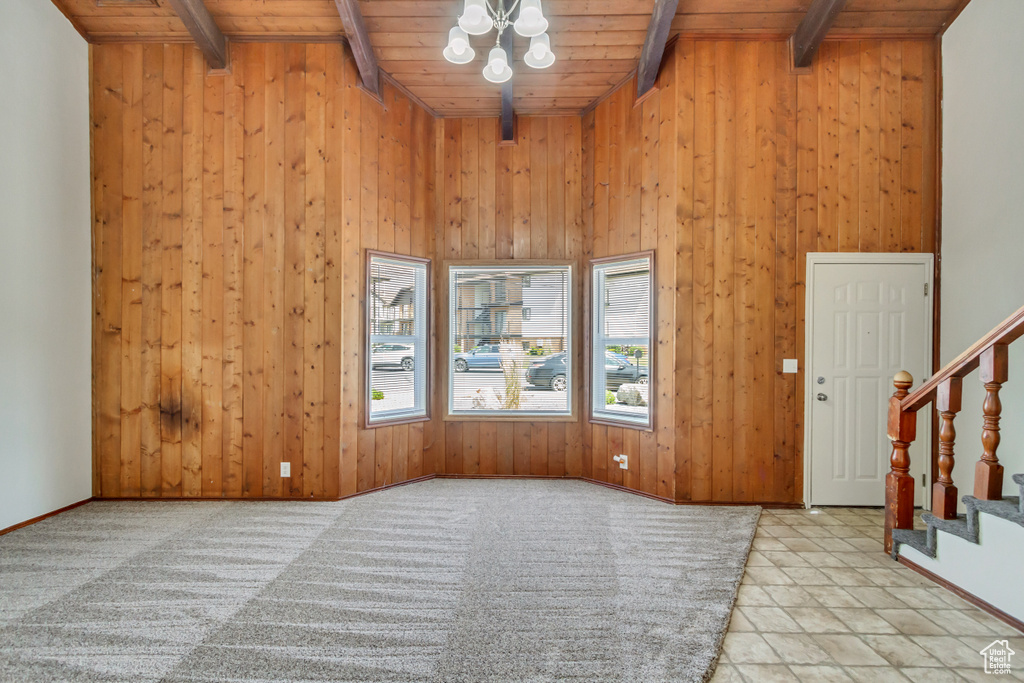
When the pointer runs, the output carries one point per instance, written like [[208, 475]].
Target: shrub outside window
[[622, 328], [397, 324], [510, 340]]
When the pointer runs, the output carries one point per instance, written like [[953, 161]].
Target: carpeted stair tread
[[958, 527], [1008, 508], [915, 538]]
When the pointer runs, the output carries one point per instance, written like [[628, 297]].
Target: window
[[510, 342], [621, 360], [396, 323]]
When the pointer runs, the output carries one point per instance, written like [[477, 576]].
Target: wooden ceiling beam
[[806, 40], [654, 45], [359, 41], [204, 30]]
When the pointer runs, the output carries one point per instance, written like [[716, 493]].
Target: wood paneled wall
[[230, 217], [733, 171], [510, 202], [232, 211]]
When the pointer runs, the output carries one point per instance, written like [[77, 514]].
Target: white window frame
[[599, 342], [419, 340], [452, 268]]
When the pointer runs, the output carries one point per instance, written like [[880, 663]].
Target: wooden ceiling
[[597, 42]]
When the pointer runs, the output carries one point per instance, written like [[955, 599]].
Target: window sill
[[604, 422], [395, 422]]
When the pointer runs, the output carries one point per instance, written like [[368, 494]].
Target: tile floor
[[820, 601]]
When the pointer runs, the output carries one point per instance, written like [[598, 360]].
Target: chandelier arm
[[489, 8], [512, 8]]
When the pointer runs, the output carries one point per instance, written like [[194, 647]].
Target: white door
[[869, 321]]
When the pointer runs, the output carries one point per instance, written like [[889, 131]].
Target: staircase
[[1010, 508], [985, 572]]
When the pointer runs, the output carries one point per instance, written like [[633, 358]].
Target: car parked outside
[[392, 356], [484, 357], [548, 372], [551, 372]]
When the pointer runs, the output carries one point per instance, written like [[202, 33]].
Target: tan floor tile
[[833, 596], [931, 675], [874, 597], [797, 648], [822, 559], [845, 576], [766, 673], [868, 545], [863, 620], [921, 598], [738, 622], [875, 674], [821, 674], [807, 576], [799, 544], [900, 650], [849, 649], [890, 577], [766, 576], [726, 673], [791, 596], [770, 620], [959, 623], [817, 620], [751, 594], [911, 622], [836, 545], [769, 544], [786, 558], [748, 648], [756, 559], [949, 650]]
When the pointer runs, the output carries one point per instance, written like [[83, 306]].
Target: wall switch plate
[[623, 461], [789, 366], [286, 469]]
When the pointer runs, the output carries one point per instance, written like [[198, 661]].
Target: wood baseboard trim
[[984, 606], [40, 518]]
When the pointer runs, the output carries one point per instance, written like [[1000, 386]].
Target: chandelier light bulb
[[459, 50], [531, 21], [475, 20], [539, 56], [497, 69]]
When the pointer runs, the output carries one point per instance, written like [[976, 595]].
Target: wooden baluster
[[988, 473], [944, 493], [899, 485]]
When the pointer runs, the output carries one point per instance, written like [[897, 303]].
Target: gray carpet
[[472, 580]]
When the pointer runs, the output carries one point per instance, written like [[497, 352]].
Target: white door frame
[[814, 258]]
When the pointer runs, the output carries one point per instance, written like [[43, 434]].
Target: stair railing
[[990, 354]]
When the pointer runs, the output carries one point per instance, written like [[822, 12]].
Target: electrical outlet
[[286, 469], [623, 461]]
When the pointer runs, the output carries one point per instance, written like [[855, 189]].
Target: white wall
[[45, 394], [983, 212]]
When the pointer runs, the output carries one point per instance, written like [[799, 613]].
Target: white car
[[392, 356]]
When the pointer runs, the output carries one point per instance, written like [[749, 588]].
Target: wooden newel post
[[944, 493], [899, 485], [988, 473]]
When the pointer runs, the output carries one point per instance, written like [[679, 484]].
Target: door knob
[[822, 397]]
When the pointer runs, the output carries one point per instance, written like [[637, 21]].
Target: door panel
[[870, 321]]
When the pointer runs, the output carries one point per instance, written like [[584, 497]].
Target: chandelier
[[479, 17]]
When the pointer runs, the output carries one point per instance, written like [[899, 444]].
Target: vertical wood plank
[[130, 467], [274, 485], [152, 190], [313, 304], [170, 306], [253, 270], [212, 314], [234, 201]]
